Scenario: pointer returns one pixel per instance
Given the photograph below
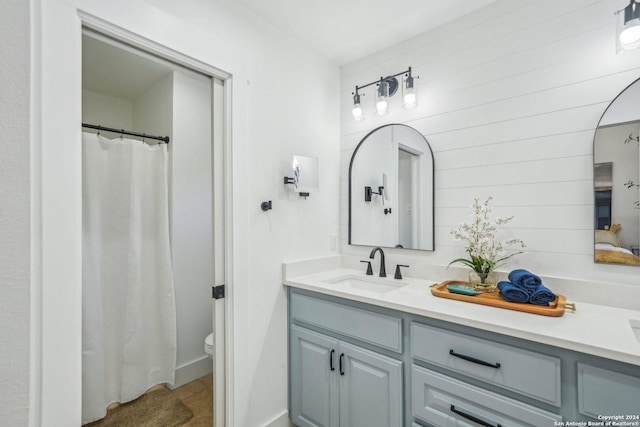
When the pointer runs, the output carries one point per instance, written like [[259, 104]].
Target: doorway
[[130, 89]]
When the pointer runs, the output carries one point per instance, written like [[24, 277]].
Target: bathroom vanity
[[367, 351]]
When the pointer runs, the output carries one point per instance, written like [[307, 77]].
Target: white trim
[[35, 377], [229, 311], [129, 38], [281, 420], [122, 36], [192, 371]]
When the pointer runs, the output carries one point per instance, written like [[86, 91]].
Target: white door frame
[[56, 208], [221, 144]]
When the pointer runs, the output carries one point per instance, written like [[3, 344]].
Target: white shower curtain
[[128, 303]]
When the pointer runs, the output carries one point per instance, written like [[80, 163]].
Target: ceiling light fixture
[[628, 27], [387, 87]]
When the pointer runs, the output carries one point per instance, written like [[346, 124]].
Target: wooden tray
[[494, 299]]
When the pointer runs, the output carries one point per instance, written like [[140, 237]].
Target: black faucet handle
[[369, 269], [398, 275]]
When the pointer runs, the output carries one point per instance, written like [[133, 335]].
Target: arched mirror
[[391, 190], [616, 157]]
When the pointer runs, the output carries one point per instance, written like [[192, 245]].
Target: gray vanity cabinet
[[333, 380], [356, 364], [334, 383]]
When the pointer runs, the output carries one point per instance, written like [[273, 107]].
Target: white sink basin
[[635, 327], [378, 285]]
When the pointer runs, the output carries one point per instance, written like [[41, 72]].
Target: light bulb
[[630, 35], [357, 112], [628, 28], [382, 98], [409, 97], [409, 100], [357, 109]]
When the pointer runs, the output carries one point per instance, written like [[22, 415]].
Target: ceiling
[[108, 69], [340, 30], [346, 30]]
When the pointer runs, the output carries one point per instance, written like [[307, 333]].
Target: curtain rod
[[164, 139]]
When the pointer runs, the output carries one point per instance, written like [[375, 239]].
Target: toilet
[[208, 345]]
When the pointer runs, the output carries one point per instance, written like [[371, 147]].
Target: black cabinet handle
[[341, 363], [472, 418], [474, 360], [331, 360]]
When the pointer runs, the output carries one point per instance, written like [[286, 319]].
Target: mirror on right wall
[[616, 172]]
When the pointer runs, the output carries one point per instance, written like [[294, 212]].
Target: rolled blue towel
[[542, 296], [512, 293], [525, 280]]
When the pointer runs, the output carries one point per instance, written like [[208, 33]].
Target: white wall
[[152, 111], [509, 98], [192, 221], [292, 108], [106, 110], [15, 211], [272, 77]]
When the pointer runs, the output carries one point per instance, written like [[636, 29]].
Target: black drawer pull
[[341, 363], [331, 360], [474, 360], [472, 418]]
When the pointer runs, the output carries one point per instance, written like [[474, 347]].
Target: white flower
[[484, 249]]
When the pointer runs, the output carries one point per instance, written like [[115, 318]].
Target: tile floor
[[198, 396]]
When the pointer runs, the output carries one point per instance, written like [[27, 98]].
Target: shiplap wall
[[509, 98]]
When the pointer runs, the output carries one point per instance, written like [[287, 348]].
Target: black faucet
[[383, 270]]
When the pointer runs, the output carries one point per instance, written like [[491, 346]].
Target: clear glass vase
[[489, 284]]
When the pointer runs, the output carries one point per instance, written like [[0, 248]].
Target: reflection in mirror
[[391, 190], [305, 174], [616, 156]]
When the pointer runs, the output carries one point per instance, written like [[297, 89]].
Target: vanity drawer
[[374, 328], [603, 392], [444, 401], [525, 372]]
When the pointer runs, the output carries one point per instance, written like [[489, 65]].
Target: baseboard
[[192, 371], [281, 420]]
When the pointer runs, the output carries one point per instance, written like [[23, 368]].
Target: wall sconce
[[628, 28], [305, 175], [386, 88], [368, 192]]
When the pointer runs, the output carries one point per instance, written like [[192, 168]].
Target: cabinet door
[[314, 386], [370, 388]]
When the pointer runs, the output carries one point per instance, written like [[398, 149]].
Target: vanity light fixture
[[628, 27], [386, 88]]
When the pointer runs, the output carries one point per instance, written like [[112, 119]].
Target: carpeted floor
[[190, 405]]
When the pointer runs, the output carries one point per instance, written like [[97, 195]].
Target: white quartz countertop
[[598, 330]]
